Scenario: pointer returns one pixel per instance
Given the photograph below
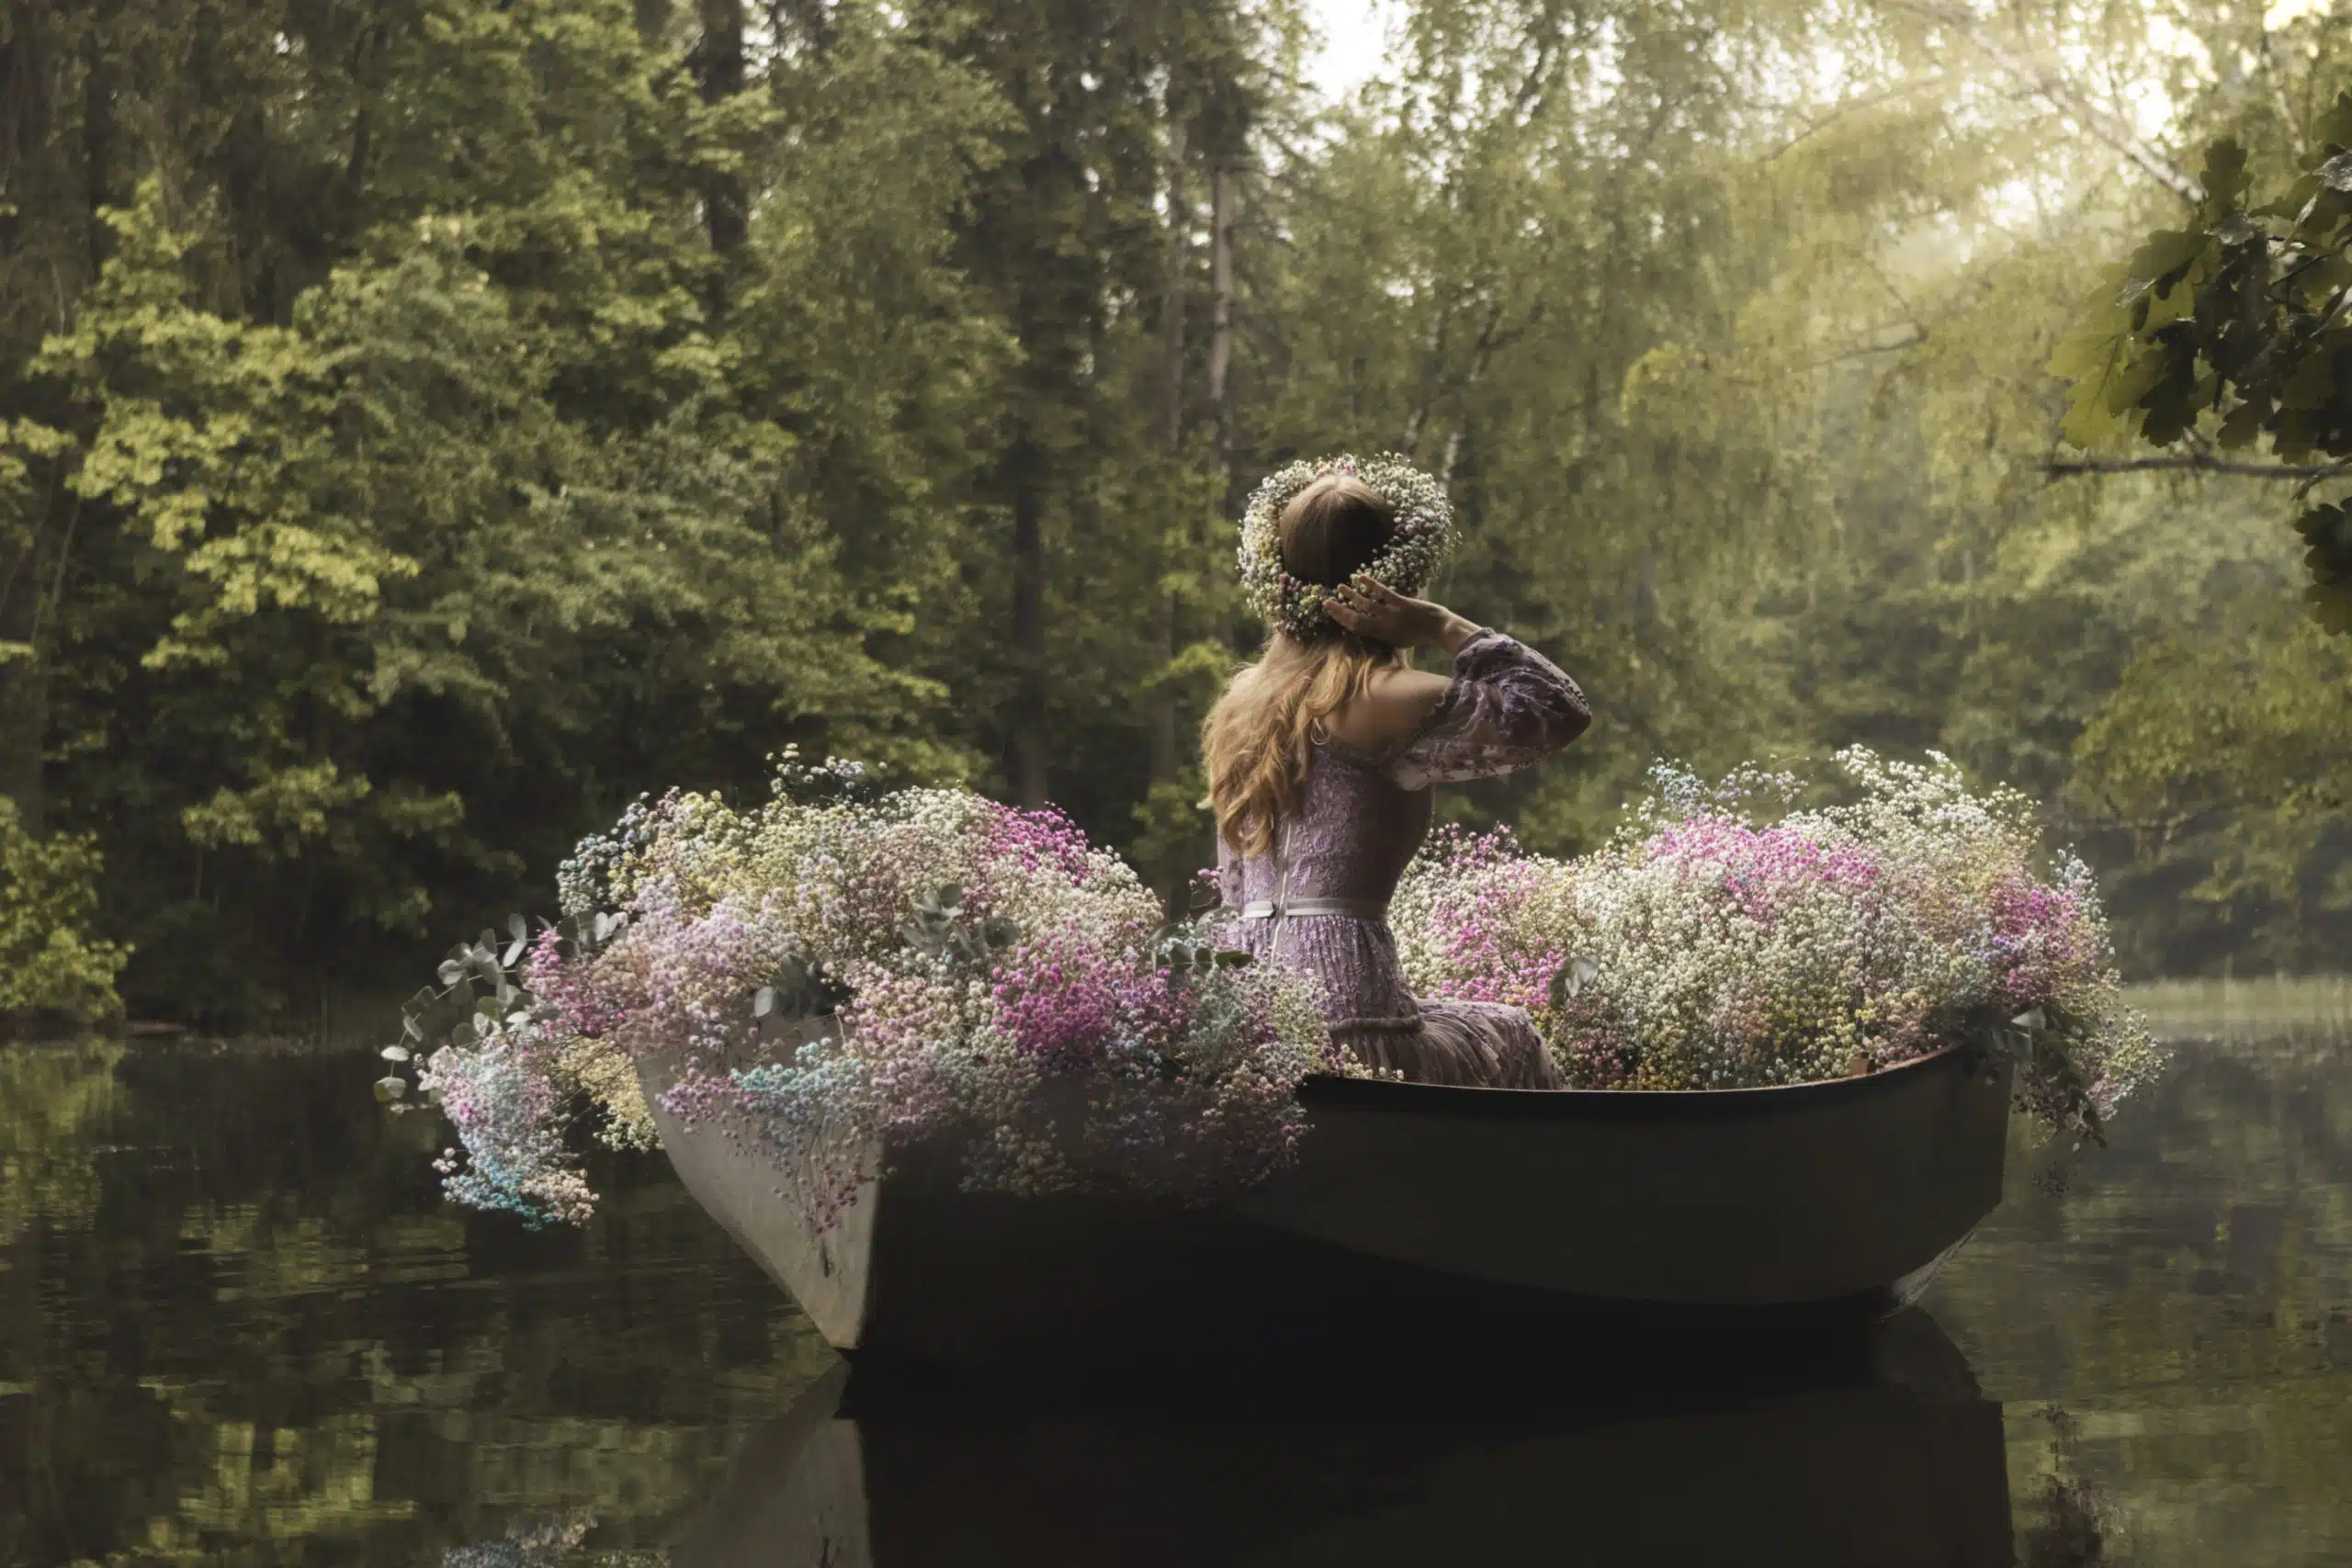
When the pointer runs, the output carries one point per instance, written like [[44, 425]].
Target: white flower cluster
[[834, 978], [1706, 948], [1417, 550]]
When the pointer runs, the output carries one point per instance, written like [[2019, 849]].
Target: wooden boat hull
[[1868, 1473], [1828, 1198]]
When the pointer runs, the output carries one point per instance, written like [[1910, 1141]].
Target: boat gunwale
[[1323, 1091]]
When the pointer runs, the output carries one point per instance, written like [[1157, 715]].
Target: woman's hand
[[1379, 613]]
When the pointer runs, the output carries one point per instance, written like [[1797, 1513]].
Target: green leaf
[[2091, 420], [2332, 607], [2166, 255], [2313, 383], [2243, 426], [2129, 389], [2225, 175]]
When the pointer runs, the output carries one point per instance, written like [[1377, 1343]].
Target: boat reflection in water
[[1876, 1449]]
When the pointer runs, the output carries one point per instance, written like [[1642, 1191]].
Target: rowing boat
[[1840, 1198]]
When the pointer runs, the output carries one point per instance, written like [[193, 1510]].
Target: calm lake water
[[237, 1326]]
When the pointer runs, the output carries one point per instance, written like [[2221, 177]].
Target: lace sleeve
[[1508, 706], [1228, 877]]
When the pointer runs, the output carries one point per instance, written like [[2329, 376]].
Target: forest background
[[426, 424]]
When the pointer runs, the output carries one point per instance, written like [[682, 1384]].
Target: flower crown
[[1423, 539]]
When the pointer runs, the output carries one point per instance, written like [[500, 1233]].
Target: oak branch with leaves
[[2232, 330]]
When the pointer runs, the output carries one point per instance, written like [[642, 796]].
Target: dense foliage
[[2233, 330], [49, 963], [427, 425]]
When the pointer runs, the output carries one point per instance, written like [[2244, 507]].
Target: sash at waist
[[1357, 908]]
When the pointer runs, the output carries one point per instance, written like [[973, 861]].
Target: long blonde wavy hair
[[1259, 739]]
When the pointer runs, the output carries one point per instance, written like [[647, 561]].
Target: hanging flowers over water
[[847, 969]]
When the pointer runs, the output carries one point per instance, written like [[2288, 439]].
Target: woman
[[1321, 758]]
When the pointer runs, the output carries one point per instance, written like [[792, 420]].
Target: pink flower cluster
[[1706, 949], [839, 981], [1476, 922]]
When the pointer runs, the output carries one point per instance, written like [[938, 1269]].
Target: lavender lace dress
[[1317, 900]]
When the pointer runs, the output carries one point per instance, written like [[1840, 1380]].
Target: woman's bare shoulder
[[1391, 711]]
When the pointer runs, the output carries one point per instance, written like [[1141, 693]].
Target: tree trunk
[[811, 21], [726, 209], [97, 130], [24, 679], [1171, 300], [24, 94], [1030, 779], [1165, 756], [31, 577], [1221, 317]]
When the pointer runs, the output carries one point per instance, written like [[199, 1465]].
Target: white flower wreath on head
[[1424, 537]]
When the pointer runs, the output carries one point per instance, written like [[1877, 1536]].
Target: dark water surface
[[238, 1326]]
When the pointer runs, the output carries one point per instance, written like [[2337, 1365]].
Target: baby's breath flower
[[1708, 948], [1418, 549], [981, 973]]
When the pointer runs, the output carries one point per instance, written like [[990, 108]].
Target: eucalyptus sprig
[[803, 989], [2041, 1042], [480, 989], [942, 928], [1190, 950]]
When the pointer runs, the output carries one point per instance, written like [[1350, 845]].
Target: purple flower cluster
[[1706, 949], [839, 978], [1057, 1000], [1038, 839], [1476, 925]]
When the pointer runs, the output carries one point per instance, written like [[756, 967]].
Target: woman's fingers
[[1367, 607]]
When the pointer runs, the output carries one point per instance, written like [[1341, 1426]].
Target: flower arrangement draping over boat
[[1720, 943], [843, 969]]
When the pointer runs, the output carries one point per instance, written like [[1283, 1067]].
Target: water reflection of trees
[[239, 1326], [50, 1099], [2185, 1299]]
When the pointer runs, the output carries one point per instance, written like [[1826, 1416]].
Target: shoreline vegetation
[[2252, 1007], [478, 414]]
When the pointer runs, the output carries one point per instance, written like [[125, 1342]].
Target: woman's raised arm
[[1508, 706]]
